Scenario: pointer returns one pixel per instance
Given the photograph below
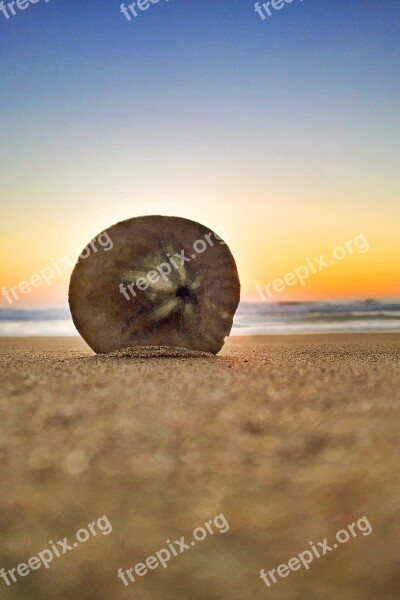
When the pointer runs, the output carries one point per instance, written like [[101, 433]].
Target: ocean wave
[[251, 319]]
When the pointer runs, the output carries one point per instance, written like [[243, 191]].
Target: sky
[[282, 134]]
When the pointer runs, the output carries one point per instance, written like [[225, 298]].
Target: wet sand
[[290, 437]]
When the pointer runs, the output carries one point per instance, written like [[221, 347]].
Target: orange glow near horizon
[[266, 248]]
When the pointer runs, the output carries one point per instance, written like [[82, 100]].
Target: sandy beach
[[291, 438]]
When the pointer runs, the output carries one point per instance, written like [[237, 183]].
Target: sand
[[291, 438]]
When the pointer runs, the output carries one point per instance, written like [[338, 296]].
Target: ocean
[[364, 316]]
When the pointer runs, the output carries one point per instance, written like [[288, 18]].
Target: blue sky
[[83, 56], [200, 108]]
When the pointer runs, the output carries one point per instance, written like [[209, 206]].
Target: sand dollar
[[155, 281]]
